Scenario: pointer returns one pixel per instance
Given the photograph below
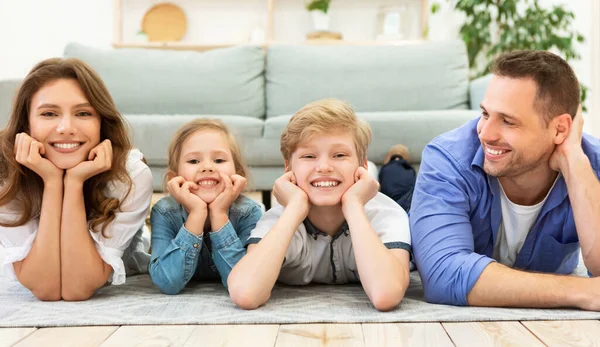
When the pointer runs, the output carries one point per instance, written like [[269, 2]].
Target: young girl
[[73, 192], [200, 230]]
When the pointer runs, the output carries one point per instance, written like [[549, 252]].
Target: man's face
[[324, 167], [514, 136]]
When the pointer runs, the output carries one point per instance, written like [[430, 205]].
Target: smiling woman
[[73, 192]]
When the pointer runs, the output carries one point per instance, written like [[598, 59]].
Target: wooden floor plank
[[342, 335], [234, 335], [10, 336], [490, 334], [566, 333], [150, 335], [405, 334], [72, 336]]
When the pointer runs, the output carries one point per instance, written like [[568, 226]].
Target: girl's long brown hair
[[21, 185]]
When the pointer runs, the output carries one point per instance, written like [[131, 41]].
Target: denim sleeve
[[228, 245], [442, 237], [175, 254]]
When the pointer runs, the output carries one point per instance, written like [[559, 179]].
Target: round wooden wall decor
[[164, 22]]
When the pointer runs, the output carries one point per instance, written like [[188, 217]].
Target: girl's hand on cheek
[[99, 161], [183, 192], [232, 188], [28, 152]]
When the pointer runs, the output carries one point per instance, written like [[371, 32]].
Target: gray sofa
[[409, 93]]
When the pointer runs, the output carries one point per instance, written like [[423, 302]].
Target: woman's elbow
[[77, 295], [47, 294]]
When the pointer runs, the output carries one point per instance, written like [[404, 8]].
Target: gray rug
[[138, 302]]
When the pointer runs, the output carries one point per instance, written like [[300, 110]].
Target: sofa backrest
[[409, 77], [220, 82]]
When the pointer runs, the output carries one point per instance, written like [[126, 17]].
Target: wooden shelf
[[119, 42]]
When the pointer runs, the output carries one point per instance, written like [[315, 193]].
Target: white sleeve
[[128, 220], [265, 224], [16, 241], [389, 221]]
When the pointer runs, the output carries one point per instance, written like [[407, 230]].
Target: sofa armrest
[[477, 90], [8, 90]]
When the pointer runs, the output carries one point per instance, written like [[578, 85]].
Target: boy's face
[[324, 167]]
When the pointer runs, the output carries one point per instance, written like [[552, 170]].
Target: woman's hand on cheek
[[28, 152], [182, 191], [99, 160], [232, 188]]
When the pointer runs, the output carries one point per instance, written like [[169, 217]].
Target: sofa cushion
[[410, 77], [8, 91], [152, 134], [143, 81], [414, 129]]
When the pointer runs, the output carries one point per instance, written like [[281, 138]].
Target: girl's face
[[62, 119], [204, 155]]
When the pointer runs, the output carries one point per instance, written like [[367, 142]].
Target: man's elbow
[[436, 293]]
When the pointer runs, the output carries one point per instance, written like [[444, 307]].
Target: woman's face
[[62, 119]]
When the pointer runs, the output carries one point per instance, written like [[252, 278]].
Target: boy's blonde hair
[[325, 116], [201, 124]]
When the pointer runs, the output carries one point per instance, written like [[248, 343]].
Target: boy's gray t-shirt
[[314, 256]]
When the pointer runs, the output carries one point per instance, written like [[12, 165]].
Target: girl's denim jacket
[[178, 255]]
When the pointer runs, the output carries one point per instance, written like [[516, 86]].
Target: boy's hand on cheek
[[364, 189], [181, 191], [287, 192], [233, 188]]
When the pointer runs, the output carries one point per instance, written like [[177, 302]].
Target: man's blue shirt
[[456, 213]]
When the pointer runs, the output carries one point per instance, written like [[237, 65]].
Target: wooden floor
[[538, 333]]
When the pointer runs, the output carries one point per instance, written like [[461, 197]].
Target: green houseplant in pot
[[492, 27], [319, 13]]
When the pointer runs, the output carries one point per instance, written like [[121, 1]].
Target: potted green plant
[[492, 27], [319, 13]]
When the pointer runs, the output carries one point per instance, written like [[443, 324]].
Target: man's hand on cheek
[[365, 188], [286, 191], [570, 148]]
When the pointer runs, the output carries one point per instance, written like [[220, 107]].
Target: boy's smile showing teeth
[[325, 183]]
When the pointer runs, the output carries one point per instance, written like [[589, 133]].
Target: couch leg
[[266, 199]]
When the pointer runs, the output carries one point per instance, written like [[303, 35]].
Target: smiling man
[[503, 204]]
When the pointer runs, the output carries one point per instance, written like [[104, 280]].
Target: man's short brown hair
[[327, 116], [558, 90]]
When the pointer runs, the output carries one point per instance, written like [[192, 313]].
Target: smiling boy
[[333, 226]]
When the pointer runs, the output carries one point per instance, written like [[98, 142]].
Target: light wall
[[32, 30]]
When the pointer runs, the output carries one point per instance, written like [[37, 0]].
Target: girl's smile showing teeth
[[208, 183]]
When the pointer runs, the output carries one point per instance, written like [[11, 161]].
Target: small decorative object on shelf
[[164, 23], [323, 35], [141, 37], [318, 11], [392, 23]]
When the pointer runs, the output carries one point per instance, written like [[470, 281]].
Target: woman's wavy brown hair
[[21, 185]]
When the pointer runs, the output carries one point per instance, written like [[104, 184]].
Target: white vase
[[320, 20]]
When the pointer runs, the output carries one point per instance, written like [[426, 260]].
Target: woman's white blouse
[[128, 220]]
